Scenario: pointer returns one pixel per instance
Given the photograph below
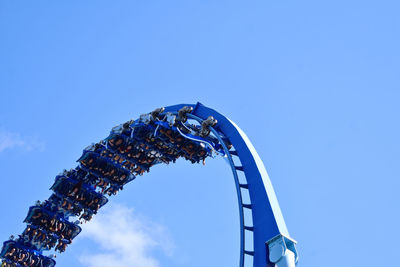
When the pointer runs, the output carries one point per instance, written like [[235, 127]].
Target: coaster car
[[77, 191], [115, 141], [129, 153], [16, 254], [77, 174], [104, 168], [169, 143], [37, 238], [187, 131], [63, 205], [80, 174], [141, 148], [52, 222], [114, 156], [191, 147]]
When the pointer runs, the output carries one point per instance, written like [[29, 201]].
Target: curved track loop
[[267, 217], [226, 139]]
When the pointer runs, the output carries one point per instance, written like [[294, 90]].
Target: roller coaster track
[[269, 243]]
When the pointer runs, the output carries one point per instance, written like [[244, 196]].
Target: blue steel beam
[[268, 223]]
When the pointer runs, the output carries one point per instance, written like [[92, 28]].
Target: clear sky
[[314, 84]]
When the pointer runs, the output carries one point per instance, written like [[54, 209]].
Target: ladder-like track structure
[[192, 132]]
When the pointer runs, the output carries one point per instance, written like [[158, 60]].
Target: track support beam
[[282, 251]]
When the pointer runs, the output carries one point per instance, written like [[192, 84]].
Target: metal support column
[[282, 251]]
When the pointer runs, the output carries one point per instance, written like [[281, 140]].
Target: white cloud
[[126, 239], [9, 140]]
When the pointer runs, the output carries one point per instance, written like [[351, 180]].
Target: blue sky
[[314, 84]]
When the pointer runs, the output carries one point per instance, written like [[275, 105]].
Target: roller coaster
[[188, 131]]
